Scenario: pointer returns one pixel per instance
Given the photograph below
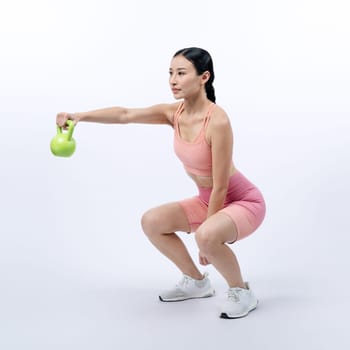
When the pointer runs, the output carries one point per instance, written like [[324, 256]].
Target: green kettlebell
[[63, 144]]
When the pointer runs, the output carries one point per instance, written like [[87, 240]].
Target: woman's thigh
[[218, 228], [230, 224], [166, 218], [246, 221]]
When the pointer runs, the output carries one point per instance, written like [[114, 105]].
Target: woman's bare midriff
[[207, 181]]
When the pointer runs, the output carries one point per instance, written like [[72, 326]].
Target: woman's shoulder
[[171, 109], [219, 117], [219, 126]]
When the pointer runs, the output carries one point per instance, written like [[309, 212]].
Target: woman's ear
[[205, 77]]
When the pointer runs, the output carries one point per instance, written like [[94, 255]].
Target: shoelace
[[185, 280], [233, 294]]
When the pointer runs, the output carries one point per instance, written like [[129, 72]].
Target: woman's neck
[[196, 104]]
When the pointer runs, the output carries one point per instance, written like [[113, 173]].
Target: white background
[[75, 268]]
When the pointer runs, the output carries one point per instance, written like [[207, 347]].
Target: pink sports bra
[[195, 155]]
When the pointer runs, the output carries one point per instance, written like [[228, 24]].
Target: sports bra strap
[[207, 117], [178, 112]]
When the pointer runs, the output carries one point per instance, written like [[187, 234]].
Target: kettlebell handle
[[70, 129]]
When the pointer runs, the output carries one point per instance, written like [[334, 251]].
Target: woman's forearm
[[105, 115], [217, 200]]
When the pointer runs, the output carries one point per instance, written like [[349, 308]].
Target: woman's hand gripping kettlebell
[[63, 144], [63, 117]]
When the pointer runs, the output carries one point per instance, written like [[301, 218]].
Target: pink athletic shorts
[[244, 204]]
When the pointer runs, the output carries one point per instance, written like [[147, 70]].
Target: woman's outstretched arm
[[156, 114]]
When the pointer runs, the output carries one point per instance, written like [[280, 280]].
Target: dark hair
[[202, 61]]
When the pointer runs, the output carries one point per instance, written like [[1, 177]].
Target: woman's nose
[[172, 79]]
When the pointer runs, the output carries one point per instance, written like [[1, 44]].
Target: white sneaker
[[189, 288], [239, 303]]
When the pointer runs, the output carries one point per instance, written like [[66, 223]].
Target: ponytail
[[209, 89]]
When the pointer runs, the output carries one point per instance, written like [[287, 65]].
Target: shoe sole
[[228, 317], [176, 300]]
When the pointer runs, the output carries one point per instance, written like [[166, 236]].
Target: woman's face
[[183, 78]]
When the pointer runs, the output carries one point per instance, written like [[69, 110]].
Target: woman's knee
[[207, 241], [165, 219], [150, 222]]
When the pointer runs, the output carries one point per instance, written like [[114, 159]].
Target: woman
[[228, 206]]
